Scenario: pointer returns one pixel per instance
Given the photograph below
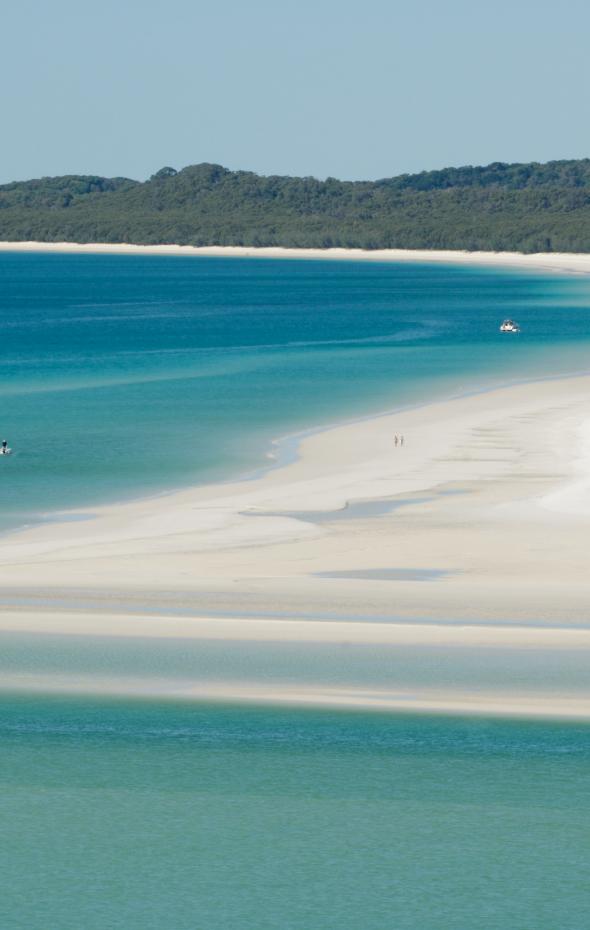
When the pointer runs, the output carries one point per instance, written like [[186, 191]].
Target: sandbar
[[481, 545]]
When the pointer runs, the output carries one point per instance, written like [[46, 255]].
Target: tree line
[[515, 207]]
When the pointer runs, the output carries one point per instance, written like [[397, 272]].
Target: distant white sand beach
[[555, 262]]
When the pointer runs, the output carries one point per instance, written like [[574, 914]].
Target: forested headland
[[522, 207]]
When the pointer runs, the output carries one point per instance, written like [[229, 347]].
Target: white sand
[[514, 548], [555, 262], [77, 621]]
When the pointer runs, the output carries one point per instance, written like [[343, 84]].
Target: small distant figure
[[401, 440], [4, 446], [396, 439]]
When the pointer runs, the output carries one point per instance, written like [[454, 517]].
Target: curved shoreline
[[557, 262], [509, 551], [288, 446], [474, 441]]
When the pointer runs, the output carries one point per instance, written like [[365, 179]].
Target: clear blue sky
[[321, 87]]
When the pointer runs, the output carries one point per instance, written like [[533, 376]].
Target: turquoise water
[[124, 375], [175, 817]]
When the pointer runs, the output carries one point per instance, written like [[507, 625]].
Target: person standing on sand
[[396, 439], [401, 440]]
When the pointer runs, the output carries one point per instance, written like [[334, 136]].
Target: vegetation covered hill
[[528, 207]]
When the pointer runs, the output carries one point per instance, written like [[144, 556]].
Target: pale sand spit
[[485, 550], [510, 545]]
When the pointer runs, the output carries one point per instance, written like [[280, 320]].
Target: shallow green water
[[149, 817], [173, 666]]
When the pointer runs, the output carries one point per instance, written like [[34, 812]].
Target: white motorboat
[[509, 326]]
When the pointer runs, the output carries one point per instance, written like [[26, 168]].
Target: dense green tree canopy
[[529, 207]]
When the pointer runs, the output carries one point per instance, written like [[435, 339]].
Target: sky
[[369, 89]]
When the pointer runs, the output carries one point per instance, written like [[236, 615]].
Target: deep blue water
[[124, 375]]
